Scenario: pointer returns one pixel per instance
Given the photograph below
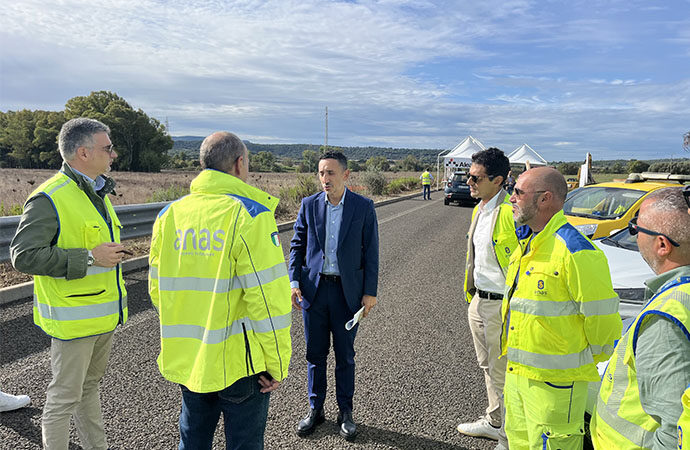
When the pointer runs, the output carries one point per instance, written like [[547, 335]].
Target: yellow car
[[598, 210]]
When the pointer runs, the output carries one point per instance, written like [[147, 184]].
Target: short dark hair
[[495, 162], [338, 156]]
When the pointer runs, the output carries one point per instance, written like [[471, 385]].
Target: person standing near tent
[[426, 178], [491, 241]]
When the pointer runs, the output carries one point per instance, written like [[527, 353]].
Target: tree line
[[28, 139]]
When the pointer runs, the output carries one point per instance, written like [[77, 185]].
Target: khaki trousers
[[485, 324], [78, 366]]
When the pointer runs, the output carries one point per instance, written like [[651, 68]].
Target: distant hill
[[190, 145]]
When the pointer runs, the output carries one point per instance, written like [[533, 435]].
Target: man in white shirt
[[491, 241]]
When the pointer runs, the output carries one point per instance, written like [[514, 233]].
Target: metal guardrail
[[137, 221]]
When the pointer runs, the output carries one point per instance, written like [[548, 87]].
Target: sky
[[609, 77]]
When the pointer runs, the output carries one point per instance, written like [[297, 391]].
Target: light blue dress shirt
[[334, 217], [96, 184]]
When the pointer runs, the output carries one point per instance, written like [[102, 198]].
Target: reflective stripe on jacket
[[505, 241], [95, 304], [620, 420], [426, 178], [560, 312], [684, 422], [219, 282]]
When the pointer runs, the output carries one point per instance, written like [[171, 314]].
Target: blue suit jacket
[[358, 248]]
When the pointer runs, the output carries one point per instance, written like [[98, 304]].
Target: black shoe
[[307, 425], [348, 429]]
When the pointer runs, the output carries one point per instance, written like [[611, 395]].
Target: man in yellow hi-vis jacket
[[639, 402], [560, 318], [219, 282]]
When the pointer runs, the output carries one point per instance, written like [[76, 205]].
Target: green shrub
[[402, 184], [375, 182], [172, 192], [10, 210], [291, 197]]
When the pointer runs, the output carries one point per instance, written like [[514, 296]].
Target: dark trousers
[[426, 193], [244, 408], [327, 316]]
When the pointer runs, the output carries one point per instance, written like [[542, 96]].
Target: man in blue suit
[[333, 268]]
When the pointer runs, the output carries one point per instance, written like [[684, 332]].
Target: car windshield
[[622, 239], [601, 202], [459, 178]]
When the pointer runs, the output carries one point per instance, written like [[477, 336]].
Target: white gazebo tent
[[461, 156], [525, 154]]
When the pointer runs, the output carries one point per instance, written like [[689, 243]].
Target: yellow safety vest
[[504, 239], [684, 422], [426, 178], [219, 282], [560, 312], [97, 303], [620, 421]]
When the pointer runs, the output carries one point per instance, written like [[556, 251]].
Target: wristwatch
[[90, 259]]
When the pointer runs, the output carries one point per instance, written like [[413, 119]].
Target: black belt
[[330, 278], [489, 295]]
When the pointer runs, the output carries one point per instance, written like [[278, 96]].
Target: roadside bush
[[402, 184], [172, 192], [291, 197], [375, 182]]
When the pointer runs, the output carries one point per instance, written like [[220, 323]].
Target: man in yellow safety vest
[[426, 178], [560, 318], [219, 282], [69, 239], [639, 404]]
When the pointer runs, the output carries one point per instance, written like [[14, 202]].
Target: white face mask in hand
[[352, 322]]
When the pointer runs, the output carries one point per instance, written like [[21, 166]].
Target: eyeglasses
[[475, 178], [686, 194], [519, 192], [108, 148], [634, 228]]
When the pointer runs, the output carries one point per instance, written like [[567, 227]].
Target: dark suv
[[457, 190]]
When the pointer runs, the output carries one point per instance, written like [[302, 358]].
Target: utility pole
[[326, 143]]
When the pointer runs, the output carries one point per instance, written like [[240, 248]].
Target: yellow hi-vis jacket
[[426, 177], [560, 312], [504, 239], [684, 422], [88, 306], [620, 420], [219, 282]]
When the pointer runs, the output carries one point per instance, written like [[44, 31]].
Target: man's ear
[[662, 246]]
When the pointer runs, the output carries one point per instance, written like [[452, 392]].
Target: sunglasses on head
[[634, 228]]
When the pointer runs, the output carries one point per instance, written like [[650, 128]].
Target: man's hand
[[368, 302], [297, 298], [108, 254], [268, 385]]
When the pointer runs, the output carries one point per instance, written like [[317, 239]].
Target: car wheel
[[446, 202]]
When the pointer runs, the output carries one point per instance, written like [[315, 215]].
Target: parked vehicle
[[457, 190], [598, 210]]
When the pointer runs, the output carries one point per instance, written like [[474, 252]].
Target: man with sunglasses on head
[[560, 318], [69, 239], [491, 241], [639, 400]]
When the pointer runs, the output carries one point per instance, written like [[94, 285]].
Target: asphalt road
[[417, 375]]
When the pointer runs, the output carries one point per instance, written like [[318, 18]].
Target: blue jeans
[[244, 409], [427, 191]]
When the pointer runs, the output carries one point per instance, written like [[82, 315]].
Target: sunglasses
[[519, 192], [475, 178], [634, 228], [686, 194]]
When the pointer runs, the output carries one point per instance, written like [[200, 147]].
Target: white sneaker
[[481, 428], [11, 402]]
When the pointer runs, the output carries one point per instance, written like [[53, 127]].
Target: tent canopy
[[525, 153], [461, 155]]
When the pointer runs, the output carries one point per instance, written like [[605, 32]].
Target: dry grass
[[133, 187]]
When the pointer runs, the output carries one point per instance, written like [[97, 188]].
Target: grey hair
[[220, 150], [671, 216], [77, 133]]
